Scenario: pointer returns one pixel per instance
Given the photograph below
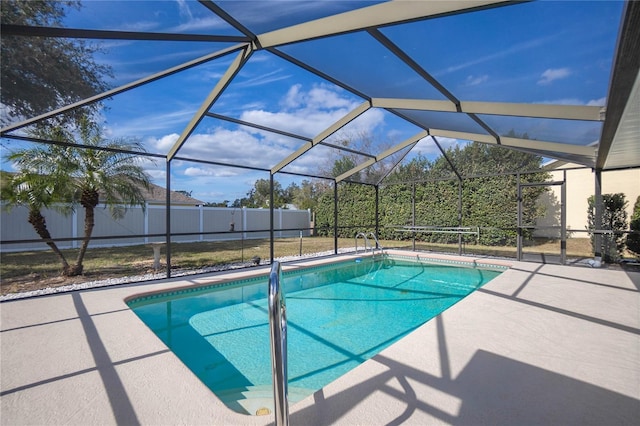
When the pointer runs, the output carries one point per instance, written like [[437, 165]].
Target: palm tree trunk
[[40, 225], [89, 222]]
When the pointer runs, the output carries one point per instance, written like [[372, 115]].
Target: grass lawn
[[25, 271]]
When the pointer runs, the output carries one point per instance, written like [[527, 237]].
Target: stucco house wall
[[580, 186]]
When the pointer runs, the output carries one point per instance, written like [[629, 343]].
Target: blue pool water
[[338, 315]]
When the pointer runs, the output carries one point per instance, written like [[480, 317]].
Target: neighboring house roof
[[555, 164], [158, 195], [154, 195]]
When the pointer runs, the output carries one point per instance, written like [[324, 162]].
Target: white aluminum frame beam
[[387, 13], [414, 104], [530, 144], [346, 119], [561, 112], [453, 134], [222, 84], [563, 148], [408, 142]]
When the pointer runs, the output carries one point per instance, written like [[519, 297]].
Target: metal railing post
[[278, 328]]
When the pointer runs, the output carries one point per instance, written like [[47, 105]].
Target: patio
[[228, 92], [540, 344]]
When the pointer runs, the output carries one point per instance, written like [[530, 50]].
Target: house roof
[[158, 195]]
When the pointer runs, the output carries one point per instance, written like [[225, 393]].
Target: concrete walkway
[[539, 345]]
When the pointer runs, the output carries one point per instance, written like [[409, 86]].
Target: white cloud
[[165, 143], [197, 24], [597, 102], [153, 123], [305, 113], [183, 9], [427, 147], [293, 98], [575, 101], [191, 23], [394, 134], [319, 97], [226, 146], [520, 47], [156, 174], [364, 125], [563, 101], [474, 80], [553, 74], [306, 123], [277, 11], [209, 171], [263, 79], [253, 105]]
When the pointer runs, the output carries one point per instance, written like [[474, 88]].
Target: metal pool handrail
[[366, 242], [378, 246], [278, 327]]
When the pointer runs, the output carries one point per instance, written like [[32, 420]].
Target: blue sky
[[542, 52]]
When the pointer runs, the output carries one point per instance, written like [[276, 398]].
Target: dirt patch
[[34, 281]]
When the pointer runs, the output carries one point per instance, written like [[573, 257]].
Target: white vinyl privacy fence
[[141, 226]]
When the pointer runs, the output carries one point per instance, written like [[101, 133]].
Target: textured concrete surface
[[540, 344]]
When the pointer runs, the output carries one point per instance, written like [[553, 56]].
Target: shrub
[[633, 240], [614, 218]]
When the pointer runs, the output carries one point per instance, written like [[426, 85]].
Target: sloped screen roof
[[282, 86]]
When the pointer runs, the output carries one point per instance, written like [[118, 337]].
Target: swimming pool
[[339, 315]]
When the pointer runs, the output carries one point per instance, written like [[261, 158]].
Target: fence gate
[[563, 216]]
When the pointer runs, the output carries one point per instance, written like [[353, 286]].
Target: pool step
[[258, 400]]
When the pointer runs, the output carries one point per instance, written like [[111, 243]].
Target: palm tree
[[36, 192], [105, 168], [100, 168]]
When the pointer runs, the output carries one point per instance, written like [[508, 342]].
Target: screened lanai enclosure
[[437, 125]]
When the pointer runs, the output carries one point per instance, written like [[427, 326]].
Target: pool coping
[[245, 276], [567, 332]]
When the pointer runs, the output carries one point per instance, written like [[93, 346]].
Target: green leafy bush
[[614, 218], [633, 240]]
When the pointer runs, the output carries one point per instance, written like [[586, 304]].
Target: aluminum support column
[[167, 211], [459, 216], [377, 211], [519, 220], [597, 237], [413, 213], [335, 217], [271, 220], [563, 219]]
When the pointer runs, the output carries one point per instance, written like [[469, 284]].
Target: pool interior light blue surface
[[339, 315]]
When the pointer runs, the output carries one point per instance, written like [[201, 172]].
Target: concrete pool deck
[[540, 344]]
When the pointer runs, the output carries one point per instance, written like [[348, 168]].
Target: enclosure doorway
[[529, 233]]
